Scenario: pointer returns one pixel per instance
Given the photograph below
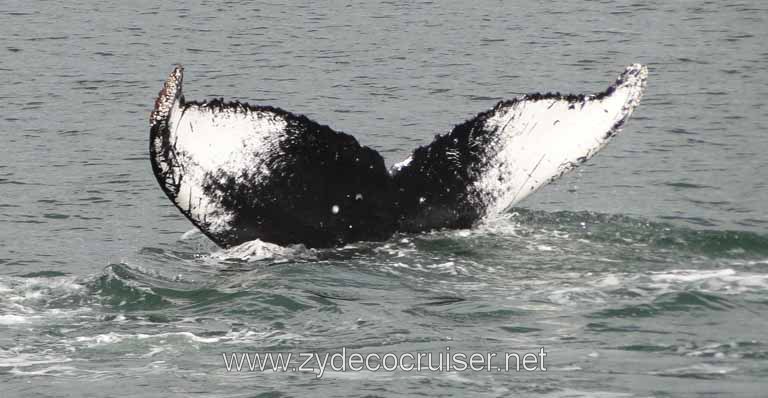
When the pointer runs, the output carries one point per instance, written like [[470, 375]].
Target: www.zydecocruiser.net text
[[346, 361]]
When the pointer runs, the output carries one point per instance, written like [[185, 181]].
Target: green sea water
[[643, 273]]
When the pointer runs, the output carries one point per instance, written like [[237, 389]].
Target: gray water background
[[642, 273]]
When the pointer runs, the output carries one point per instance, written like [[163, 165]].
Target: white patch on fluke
[[397, 166], [541, 139], [212, 140]]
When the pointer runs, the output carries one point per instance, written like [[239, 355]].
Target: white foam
[[109, 338], [691, 275], [698, 369], [192, 233], [725, 281], [608, 281], [576, 295], [257, 250], [115, 338], [169, 337], [23, 359], [26, 300]]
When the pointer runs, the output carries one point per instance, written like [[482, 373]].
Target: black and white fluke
[[241, 172]]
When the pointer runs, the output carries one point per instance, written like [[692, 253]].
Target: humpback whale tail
[[241, 172]]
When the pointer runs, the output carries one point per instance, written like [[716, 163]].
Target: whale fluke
[[241, 172]]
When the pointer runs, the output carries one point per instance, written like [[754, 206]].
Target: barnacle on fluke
[[241, 172]]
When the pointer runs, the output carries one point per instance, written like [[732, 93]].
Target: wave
[[623, 230]]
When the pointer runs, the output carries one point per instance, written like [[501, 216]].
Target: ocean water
[[643, 273]]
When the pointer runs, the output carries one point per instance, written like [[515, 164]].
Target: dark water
[[644, 273]]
